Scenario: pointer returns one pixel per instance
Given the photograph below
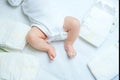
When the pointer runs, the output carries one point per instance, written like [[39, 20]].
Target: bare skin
[[36, 38]]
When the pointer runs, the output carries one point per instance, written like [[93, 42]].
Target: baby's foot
[[51, 53], [70, 50]]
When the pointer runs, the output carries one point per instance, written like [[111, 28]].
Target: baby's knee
[[30, 38], [73, 22], [34, 34]]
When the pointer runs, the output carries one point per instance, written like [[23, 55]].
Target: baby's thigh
[[36, 32]]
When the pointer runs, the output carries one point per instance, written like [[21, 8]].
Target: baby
[[46, 21]]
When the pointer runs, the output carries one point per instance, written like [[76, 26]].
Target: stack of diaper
[[17, 66], [12, 34]]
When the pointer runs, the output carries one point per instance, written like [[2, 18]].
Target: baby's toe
[[52, 57], [51, 53], [71, 54]]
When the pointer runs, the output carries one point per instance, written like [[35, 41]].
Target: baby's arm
[[15, 2]]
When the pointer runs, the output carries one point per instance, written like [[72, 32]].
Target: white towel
[[18, 66], [12, 34], [105, 66]]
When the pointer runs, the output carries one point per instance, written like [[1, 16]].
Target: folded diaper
[[105, 66], [18, 66], [12, 34]]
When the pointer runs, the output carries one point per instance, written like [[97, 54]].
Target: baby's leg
[[36, 38], [72, 26]]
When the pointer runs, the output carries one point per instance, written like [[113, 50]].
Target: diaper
[[54, 29], [18, 66], [13, 34], [105, 66]]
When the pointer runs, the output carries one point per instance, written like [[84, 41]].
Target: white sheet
[[62, 68]]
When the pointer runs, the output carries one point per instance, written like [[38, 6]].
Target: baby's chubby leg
[[72, 26], [36, 38]]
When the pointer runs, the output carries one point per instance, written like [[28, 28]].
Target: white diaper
[[54, 33], [18, 66], [57, 32], [13, 34]]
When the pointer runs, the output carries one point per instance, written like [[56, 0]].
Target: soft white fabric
[[15, 2], [106, 65], [44, 14], [18, 66], [12, 34]]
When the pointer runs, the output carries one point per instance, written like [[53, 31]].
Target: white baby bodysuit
[[45, 15]]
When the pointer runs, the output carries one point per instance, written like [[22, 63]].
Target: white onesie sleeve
[[15, 2], [40, 13]]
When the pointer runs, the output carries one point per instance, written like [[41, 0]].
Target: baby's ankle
[[68, 43], [49, 48], [70, 50]]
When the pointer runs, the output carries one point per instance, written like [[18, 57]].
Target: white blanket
[[62, 68]]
